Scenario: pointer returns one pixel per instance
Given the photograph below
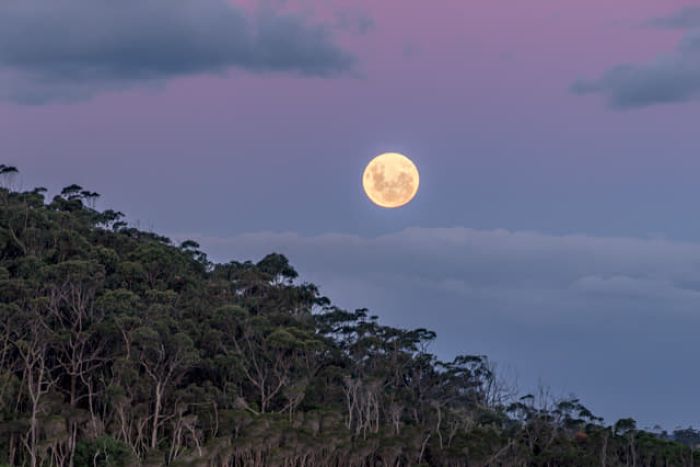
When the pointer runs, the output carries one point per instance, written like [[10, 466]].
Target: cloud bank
[[477, 263], [581, 313], [72, 49], [670, 78]]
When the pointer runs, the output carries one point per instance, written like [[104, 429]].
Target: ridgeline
[[118, 348]]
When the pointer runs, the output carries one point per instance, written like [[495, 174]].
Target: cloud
[[685, 18], [475, 261], [72, 49], [573, 311], [669, 78]]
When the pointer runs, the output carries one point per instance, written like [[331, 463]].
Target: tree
[[120, 348]]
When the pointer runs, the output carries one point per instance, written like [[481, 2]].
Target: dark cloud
[[70, 49], [580, 313], [670, 78]]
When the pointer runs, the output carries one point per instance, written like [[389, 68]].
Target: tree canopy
[[120, 348]]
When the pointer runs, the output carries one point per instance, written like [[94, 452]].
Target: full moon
[[391, 180]]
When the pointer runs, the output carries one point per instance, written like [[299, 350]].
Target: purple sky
[[248, 126]]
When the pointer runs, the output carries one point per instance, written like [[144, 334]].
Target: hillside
[[119, 348]]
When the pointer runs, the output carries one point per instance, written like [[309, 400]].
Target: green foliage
[[104, 451], [118, 348]]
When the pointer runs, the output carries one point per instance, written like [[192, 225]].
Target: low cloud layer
[[71, 49], [585, 314], [669, 78], [480, 263]]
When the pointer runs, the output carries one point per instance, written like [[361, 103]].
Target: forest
[[120, 348]]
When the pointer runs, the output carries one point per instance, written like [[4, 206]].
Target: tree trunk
[[604, 451], [156, 416]]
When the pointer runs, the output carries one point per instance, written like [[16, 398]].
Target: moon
[[391, 180]]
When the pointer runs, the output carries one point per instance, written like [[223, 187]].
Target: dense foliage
[[118, 348]]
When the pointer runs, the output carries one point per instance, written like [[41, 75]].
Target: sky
[[556, 229]]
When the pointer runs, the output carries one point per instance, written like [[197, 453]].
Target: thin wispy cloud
[[685, 18]]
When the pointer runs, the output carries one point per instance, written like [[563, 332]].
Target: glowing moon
[[391, 180]]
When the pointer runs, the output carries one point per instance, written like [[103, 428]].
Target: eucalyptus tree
[[120, 348]]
